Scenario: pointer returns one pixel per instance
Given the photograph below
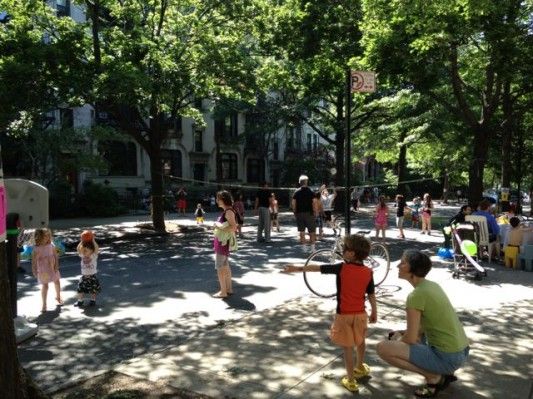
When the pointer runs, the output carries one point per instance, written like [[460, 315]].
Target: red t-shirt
[[354, 281]]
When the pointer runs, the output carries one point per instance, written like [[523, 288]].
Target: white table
[[504, 230], [527, 238]]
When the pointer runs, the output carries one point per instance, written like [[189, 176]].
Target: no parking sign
[[363, 82]]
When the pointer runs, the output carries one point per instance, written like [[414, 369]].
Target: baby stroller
[[465, 258]]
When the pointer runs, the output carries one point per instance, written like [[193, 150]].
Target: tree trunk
[[402, 161], [476, 170], [218, 160], [445, 187], [507, 135], [156, 174], [10, 385], [339, 141]]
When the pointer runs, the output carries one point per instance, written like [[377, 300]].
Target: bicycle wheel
[[379, 261], [323, 285]]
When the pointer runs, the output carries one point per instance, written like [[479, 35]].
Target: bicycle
[[324, 285]]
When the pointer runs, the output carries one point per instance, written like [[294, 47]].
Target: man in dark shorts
[[262, 206], [302, 206]]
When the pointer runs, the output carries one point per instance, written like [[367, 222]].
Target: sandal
[[361, 372], [349, 384], [431, 390]]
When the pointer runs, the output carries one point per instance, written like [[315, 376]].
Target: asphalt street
[[157, 296]]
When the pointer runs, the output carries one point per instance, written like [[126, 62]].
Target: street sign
[[363, 82]]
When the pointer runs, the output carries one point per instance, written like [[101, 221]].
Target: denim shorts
[[431, 359], [221, 260]]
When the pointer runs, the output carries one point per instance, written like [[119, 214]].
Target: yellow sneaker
[[350, 384], [362, 372]]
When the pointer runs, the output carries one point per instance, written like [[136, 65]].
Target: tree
[[34, 73], [153, 59], [307, 47], [448, 49], [415, 135]]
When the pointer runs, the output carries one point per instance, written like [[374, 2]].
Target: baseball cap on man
[[302, 178]]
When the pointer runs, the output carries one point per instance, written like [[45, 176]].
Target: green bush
[[61, 199], [99, 200]]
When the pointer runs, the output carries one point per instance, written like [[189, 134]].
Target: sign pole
[[356, 82], [347, 151]]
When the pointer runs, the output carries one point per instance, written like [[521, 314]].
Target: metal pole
[[347, 150]]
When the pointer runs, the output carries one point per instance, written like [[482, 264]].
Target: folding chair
[[481, 222]]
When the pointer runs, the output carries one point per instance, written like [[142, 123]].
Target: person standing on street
[[181, 204], [327, 205], [302, 206], [262, 208], [226, 225]]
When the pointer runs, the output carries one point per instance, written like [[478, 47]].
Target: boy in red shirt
[[354, 280]]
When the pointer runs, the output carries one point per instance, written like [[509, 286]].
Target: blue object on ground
[[445, 253]]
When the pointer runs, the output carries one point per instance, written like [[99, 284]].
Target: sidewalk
[[285, 353]]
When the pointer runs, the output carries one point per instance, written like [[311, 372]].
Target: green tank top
[[439, 321]]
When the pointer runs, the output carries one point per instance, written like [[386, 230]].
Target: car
[[494, 196]]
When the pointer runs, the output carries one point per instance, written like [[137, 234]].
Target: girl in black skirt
[[89, 283]]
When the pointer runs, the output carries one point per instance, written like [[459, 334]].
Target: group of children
[[419, 211], [45, 267]]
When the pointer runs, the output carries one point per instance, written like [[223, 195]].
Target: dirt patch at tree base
[[113, 385]]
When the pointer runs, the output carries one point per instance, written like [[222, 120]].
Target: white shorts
[[399, 221]]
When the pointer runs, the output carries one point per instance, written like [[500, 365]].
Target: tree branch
[[464, 109]]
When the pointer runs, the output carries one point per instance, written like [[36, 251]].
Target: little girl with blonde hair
[[45, 265]]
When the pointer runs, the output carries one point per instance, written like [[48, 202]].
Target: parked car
[[494, 195]]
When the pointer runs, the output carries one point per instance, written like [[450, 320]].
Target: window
[[172, 162], [308, 142], [275, 151], [174, 127], [255, 170], [290, 138], [66, 118], [63, 8], [315, 142], [120, 156], [227, 127], [198, 140], [229, 166], [198, 104], [199, 171]]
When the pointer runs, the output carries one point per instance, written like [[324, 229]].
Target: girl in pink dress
[[380, 216], [427, 206], [45, 264]]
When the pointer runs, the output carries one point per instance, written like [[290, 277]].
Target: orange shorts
[[349, 329]]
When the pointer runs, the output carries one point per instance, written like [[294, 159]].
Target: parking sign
[[363, 82]]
